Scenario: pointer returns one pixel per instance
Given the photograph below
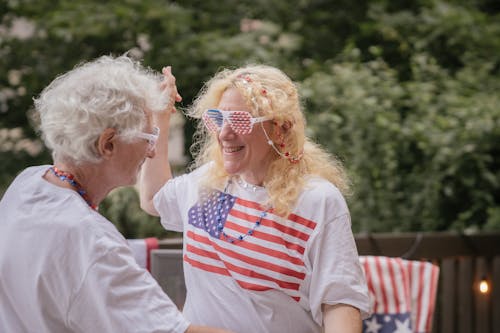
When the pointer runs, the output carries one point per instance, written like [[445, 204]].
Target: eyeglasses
[[241, 122], [151, 137]]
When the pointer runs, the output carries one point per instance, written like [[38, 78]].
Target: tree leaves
[[406, 95]]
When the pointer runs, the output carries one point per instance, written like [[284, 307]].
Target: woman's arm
[[341, 318], [156, 171], [205, 329]]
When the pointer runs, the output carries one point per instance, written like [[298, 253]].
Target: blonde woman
[[268, 245]]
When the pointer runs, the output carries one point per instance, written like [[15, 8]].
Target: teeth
[[231, 149]]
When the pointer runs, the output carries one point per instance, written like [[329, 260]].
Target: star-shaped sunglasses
[[241, 122]]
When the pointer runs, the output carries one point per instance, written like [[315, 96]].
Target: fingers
[[169, 85], [168, 78]]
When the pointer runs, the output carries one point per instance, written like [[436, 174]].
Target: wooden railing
[[464, 260]]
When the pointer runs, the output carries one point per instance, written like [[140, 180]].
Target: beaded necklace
[[247, 186], [69, 178], [220, 226]]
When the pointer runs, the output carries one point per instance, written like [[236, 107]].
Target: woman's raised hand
[[169, 85]]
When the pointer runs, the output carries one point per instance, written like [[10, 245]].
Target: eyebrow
[[234, 108]]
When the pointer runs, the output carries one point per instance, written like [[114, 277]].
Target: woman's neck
[[87, 176]]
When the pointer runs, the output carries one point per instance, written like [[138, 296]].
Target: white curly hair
[[109, 92]]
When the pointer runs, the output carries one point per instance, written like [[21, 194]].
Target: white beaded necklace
[[247, 186]]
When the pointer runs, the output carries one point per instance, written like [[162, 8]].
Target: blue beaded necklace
[[220, 226]]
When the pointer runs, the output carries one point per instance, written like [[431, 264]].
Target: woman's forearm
[[341, 318]]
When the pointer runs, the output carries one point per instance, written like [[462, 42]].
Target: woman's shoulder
[[319, 192], [321, 187]]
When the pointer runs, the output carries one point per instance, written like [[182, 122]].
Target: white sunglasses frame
[[151, 137], [226, 115]]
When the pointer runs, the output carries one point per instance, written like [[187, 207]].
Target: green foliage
[[454, 35], [423, 153], [406, 94], [357, 118]]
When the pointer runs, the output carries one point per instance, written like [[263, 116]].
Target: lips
[[232, 149]]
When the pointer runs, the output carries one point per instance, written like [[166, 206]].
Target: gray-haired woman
[[64, 267]]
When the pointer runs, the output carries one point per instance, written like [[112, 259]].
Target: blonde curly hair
[[269, 92]]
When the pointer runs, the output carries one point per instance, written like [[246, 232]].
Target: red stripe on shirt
[[262, 249], [244, 258], [252, 286], [241, 270], [253, 274], [201, 252], [234, 268], [269, 223], [249, 204], [260, 235], [258, 262], [300, 220], [206, 267]]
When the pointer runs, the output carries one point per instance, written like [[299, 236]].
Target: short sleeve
[[165, 202], [116, 295], [175, 198], [337, 276]]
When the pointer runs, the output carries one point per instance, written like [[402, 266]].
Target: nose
[[151, 153], [226, 131]]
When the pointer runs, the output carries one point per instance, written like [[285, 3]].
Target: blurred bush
[[406, 94]]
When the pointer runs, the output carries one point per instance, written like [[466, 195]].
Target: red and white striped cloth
[[402, 293], [141, 248], [280, 262]]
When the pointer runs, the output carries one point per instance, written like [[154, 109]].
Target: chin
[[232, 170]]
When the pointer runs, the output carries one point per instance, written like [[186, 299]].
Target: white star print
[[403, 327], [372, 326]]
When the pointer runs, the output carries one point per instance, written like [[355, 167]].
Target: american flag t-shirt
[[204, 215], [270, 258]]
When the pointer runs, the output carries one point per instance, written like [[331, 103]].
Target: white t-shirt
[[65, 268], [279, 275]]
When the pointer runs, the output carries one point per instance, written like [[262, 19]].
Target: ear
[[286, 126], [106, 143]]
